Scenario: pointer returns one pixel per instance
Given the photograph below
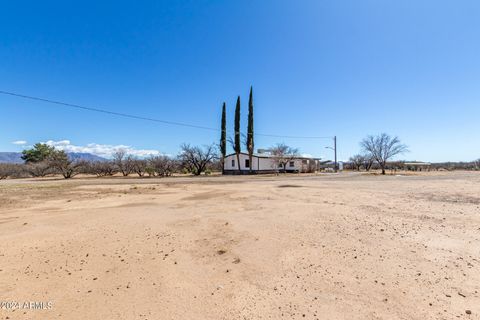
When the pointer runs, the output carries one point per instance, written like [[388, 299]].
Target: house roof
[[267, 156]]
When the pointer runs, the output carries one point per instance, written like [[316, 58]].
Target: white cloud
[[306, 155], [20, 142], [102, 150]]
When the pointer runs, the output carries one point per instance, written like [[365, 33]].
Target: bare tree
[[38, 169], [368, 161], [139, 166], [196, 159], [66, 167], [4, 171], [357, 161], [382, 148], [124, 162], [129, 166], [215, 165], [10, 170], [101, 168], [283, 154], [162, 165], [118, 159]]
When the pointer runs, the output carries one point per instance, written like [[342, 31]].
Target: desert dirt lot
[[347, 246]]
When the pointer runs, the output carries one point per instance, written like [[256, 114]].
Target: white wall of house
[[265, 163], [258, 163], [231, 162], [300, 165]]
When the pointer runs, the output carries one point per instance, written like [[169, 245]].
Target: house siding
[[262, 164]]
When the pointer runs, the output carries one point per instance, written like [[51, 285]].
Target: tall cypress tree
[[237, 142], [250, 142], [223, 138]]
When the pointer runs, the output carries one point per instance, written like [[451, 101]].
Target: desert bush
[[450, 166], [150, 171], [216, 165], [4, 171], [10, 170], [162, 166], [39, 169], [100, 168]]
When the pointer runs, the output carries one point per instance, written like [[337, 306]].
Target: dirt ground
[[346, 246]]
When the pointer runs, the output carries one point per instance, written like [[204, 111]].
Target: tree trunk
[[238, 162], [250, 159]]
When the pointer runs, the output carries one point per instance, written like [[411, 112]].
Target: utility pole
[[335, 150]]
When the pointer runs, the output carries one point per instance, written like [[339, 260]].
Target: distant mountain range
[[16, 157]]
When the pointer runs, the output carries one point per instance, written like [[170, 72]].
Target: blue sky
[[318, 68]]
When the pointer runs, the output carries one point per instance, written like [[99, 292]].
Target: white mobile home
[[266, 163]]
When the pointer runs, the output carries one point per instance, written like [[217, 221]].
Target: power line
[[127, 115]]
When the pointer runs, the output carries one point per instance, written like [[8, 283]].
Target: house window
[[280, 165], [305, 161], [292, 164], [233, 163], [247, 163]]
